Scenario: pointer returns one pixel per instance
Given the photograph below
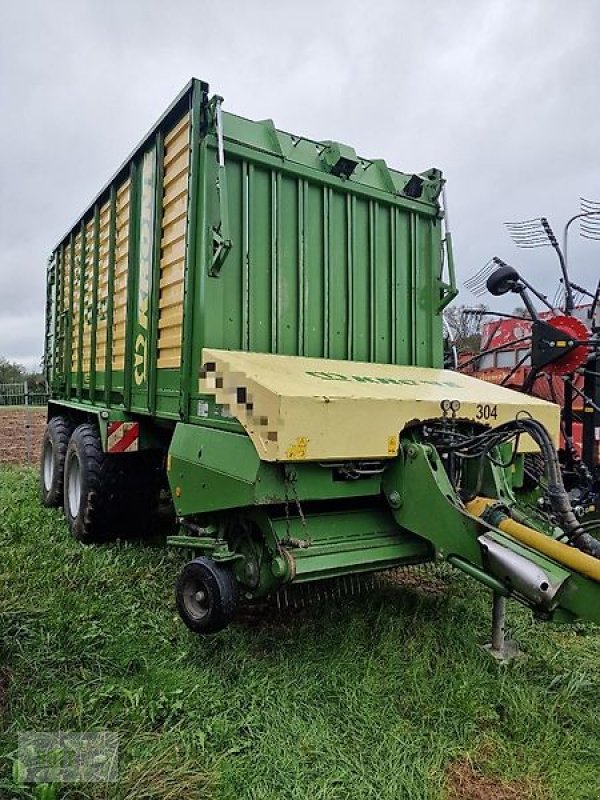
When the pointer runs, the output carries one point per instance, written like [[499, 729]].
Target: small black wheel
[[502, 280], [52, 463], [206, 595]]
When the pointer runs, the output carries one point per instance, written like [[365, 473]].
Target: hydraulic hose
[[489, 510], [481, 444], [557, 494]]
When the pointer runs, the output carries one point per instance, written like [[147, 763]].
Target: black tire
[[52, 461], [220, 595], [90, 488], [502, 280]]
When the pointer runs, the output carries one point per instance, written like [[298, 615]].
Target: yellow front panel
[[120, 280], [101, 326], [297, 408], [76, 267], [173, 242]]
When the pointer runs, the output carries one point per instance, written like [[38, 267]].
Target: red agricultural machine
[[553, 354]]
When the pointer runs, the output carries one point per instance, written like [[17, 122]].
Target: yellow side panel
[[75, 308], [296, 408], [120, 281], [87, 298], [172, 245], [101, 327]]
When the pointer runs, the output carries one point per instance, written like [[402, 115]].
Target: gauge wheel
[[206, 595]]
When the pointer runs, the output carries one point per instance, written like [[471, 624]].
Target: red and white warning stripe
[[123, 437]]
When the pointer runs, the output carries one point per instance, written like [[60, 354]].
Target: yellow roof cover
[[296, 408]]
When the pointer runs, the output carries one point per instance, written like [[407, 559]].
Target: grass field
[[386, 696]]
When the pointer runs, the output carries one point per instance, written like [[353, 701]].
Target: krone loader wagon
[[252, 320]]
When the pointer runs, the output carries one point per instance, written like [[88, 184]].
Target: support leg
[[502, 649]]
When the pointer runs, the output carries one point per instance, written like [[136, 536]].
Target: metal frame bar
[[155, 277], [59, 339], [132, 278], [69, 320], [190, 273], [112, 247], [94, 318], [81, 310]]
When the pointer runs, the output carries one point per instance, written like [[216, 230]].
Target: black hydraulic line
[[483, 443], [557, 494]]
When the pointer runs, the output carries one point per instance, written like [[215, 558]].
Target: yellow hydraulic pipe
[[558, 551]]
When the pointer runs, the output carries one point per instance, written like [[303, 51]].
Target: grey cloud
[[502, 95]]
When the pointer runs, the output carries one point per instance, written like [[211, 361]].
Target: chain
[[287, 506], [291, 482]]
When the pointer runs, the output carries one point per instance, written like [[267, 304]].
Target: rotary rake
[[557, 350]]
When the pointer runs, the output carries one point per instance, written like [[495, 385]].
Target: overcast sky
[[502, 95]]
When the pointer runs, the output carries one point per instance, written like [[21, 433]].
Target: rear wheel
[[89, 487], [206, 595], [52, 463], [107, 496]]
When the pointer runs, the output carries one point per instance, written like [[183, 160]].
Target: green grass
[[370, 698]]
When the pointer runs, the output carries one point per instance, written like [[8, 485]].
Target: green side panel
[[214, 470], [339, 543], [210, 470], [319, 269]]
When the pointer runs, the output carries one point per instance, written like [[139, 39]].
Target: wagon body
[[222, 232]]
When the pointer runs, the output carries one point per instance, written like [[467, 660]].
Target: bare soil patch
[[465, 782], [21, 431]]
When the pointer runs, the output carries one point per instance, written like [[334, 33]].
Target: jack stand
[[502, 649]]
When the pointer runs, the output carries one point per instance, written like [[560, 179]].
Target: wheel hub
[[196, 599], [48, 466], [74, 487]]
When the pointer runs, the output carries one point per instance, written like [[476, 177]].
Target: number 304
[[485, 411]]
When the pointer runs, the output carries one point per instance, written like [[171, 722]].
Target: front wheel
[[206, 595], [52, 464]]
